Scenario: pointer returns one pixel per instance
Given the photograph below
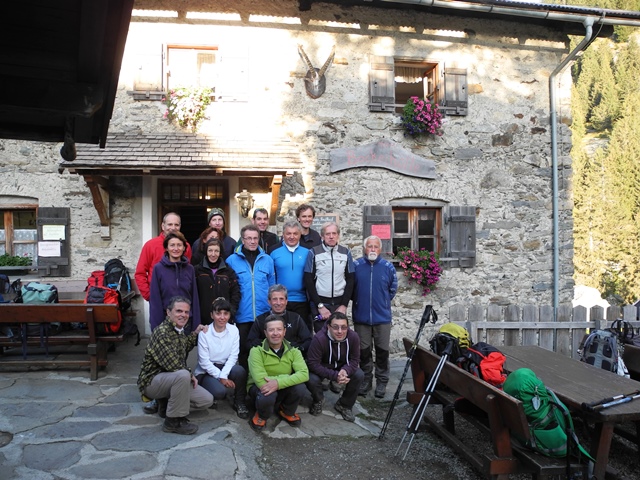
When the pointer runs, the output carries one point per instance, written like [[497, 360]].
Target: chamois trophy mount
[[315, 81]]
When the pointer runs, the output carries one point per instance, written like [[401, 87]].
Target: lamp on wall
[[245, 202]]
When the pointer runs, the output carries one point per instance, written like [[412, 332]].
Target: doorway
[[192, 200]]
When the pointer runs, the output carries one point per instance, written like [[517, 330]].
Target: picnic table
[[576, 383]]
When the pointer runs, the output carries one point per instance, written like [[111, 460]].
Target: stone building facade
[[492, 162]]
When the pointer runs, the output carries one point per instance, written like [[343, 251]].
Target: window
[[189, 66], [392, 81], [448, 230], [416, 228], [18, 232]]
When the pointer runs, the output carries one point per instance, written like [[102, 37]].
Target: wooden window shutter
[[377, 220], [455, 91], [461, 236], [233, 80], [148, 73], [51, 222], [382, 87]]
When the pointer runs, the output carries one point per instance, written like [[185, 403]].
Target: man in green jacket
[[277, 374]]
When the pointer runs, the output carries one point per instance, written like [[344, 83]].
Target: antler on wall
[[315, 81]]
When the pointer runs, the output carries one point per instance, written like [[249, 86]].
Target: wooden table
[[576, 382]]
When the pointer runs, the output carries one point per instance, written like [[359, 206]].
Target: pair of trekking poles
[[429, 316], [598, 405]]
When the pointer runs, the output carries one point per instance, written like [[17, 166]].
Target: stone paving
[[57, 424]]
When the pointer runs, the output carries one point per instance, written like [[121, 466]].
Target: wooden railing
[[535, 325]]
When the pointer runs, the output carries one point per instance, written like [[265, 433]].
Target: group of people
[[268, 316]]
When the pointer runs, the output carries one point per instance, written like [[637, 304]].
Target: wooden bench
[[504, 422], [94, 316]]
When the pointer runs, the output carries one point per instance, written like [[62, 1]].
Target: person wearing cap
[[376, 284], [305, 214], [153, 251], [216, 219]]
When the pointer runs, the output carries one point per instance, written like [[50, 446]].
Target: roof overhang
[[185, 154], [59, 69]]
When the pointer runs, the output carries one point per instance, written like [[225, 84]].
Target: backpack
[[454, 334], [100, 294], [96, 278], [486, 362], [116, 275], [550, 423], [35, 292], [625, 332], [5, 284], [601, 349]]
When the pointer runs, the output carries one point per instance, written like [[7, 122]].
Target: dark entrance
[[192, 200]]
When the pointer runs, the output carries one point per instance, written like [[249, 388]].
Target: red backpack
[[486, 362], [96, 278], [100, 294]]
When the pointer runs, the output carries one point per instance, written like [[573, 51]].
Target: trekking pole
[[591, 407], [619, 401], [421, 409], [429, 314]]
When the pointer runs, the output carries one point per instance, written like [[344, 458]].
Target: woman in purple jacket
[[173, 276]]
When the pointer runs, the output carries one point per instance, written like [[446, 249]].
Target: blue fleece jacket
[[254, 283], [375, 286]]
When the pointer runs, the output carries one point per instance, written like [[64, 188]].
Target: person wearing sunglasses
[[334, 354]]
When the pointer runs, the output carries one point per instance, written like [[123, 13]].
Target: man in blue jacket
[[255, 275], [376, 284]]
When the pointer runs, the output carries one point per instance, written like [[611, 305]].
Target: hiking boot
[[293, 420], [151, 407], [346, 412], [162, 407], [241, 410], [179, 425], [381, 390], [316, 408], [214, 405], [335, 387], [365, 389], [257, 423]]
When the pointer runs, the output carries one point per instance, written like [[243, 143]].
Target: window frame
[[449, 89], [166, 73], [9, 240], [413, 214]]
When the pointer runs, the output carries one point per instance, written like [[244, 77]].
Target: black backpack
[[116, 276]]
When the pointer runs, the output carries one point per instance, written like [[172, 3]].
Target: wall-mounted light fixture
[[245, 202]]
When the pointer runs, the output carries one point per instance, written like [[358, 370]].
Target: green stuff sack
[[549, 421]]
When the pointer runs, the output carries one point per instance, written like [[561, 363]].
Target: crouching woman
[[218, 350]]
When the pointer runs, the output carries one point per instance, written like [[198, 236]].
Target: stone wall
[[497, 158]]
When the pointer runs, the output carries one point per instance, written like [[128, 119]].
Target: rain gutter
[[588, 24]]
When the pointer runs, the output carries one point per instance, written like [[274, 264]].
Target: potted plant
[[421, 117], [421, 267], [187, 105], [7, 260]]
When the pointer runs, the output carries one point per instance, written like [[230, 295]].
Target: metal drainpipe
[[588, 23]]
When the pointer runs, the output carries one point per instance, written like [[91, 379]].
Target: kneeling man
[[164, 374], [277, 373], [334, 353]]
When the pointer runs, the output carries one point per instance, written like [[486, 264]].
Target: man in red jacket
[[152, 252]]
